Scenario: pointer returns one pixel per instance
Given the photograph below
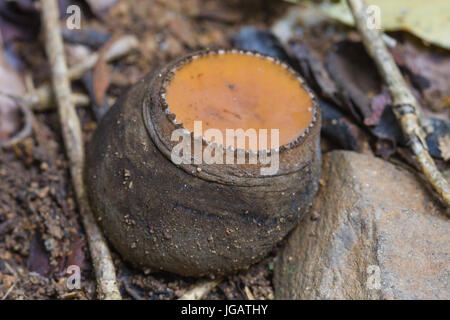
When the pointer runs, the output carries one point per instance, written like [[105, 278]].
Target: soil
[[40, 229]]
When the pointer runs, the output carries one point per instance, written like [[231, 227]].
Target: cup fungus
[[206, 163], [240, 91]]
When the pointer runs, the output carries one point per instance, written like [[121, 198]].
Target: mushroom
[[206, 163]]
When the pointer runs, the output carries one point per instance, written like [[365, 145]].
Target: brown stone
[[378, 233]]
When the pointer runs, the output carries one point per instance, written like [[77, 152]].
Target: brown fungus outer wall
[[177, 218]]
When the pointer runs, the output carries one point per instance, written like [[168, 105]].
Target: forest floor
[[40, 230], [41, 233]]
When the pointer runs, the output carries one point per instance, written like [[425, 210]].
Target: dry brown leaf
[[444, 146], [11, 83], [101, 75]]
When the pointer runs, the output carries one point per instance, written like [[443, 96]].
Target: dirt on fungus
[[40, 229]]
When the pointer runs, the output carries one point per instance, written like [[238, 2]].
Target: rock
[[374, 232]]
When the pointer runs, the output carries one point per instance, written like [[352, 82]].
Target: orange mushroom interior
[[239, 91]]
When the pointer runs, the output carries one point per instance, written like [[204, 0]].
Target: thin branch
[[200, 289], [16, 276], [118, 49], [9, 290], [41, 99], [249, 294], [101, 257], [27, 127], [405, 106]]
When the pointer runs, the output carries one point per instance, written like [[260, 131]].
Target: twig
[[69, 295], [14, 273], [117, 50], [104, 268], [9, 290], [11, 269], [41, 98], [249, 294], [200, 289], [27, 127], [131, 291], [405, 106]]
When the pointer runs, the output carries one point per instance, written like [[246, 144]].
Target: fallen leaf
[[428, 71], [388, 133], [311, 67], [342, 131], [444, 146], [427, 20], [101, 76], [11, 83], [19, 20], [263, 41], [100, 7], [357, 78], [438, 138], [38, 260], [77, 256], [88, 37]]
